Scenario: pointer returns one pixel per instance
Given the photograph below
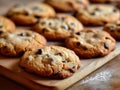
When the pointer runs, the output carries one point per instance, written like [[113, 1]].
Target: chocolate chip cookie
[[98, 14], [17, 42], [91, 43], [51, 61], [6, 25], [58, 27], [68, 5], [113, 29], [28, 14]]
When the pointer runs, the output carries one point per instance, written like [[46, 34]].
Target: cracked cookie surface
[[51, 61], [98, 14], [58, 27], [17, 42], [28, 14], [113, 29], [91, 43]]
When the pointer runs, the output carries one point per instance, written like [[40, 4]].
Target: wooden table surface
[[105, 78]]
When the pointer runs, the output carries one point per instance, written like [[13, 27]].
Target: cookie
[[91, 43], [98, 14], [15, 43], [68, 5], [58, 27], [29, 14], [102, 1], [113, 29], [51, 61], [6, 25]]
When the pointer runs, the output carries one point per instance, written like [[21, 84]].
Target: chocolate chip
[[106, 45], [22, 34], [78, 33], [51, 60], [115, 10], [49, 23], [112, 28], [73, 24], [106, 37], [35, 8], [93, 13], [64, 61], [65, 27], [44, 30], [61, 18], [105, 22], [43, 22], [73, 66], [98, 9], [72, 69], [78, 43], [39, 51], [59, 54], [26, 13], [47, 55], [1, 31], [37, 17]]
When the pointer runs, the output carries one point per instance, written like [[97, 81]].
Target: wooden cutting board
[[9, 67]]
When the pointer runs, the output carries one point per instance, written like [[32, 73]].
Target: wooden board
[[9, 67]]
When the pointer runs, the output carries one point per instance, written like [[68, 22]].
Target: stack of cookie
[[59, 20]]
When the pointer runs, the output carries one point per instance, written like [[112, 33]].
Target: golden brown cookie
[[6, 25], [68, 5], [28, 14], [91, 43], [58, 27], [98, 14], [51, 61], [113, 29], [17, 42]]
